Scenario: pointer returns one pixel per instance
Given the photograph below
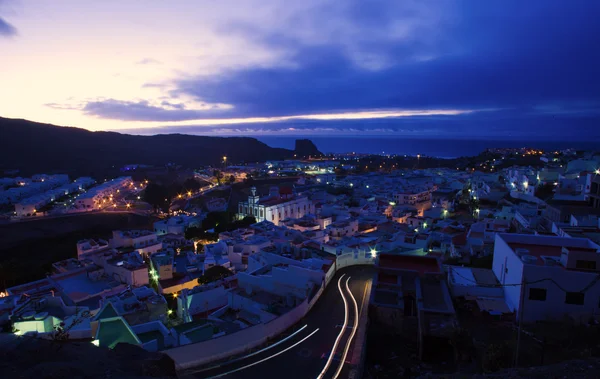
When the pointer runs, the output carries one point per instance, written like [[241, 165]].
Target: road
[[304, 352]]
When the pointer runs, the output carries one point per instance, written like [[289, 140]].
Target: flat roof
[[421, 264]]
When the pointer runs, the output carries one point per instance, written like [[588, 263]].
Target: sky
[[311, 67]]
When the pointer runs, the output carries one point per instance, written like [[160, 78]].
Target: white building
[[96, 197], [276, 207], [143, 241], [175, 225], [560, 276]]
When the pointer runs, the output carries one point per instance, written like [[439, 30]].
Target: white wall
[[508, 268]]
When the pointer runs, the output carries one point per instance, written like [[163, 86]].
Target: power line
[[587, 287]]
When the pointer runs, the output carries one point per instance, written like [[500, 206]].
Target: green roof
[[107, 311], [115, 330]]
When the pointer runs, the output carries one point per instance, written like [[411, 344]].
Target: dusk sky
[[480, 67]]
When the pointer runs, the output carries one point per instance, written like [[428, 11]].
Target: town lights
[[128, 205], [189, 193]]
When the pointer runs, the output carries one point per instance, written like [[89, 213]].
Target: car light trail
[[343, 358], [337, 340], [252, 354], [267, 358]]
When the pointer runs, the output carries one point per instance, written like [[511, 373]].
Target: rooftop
[[421, 264], [545, 246]]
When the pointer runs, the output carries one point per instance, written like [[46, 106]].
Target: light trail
[[265, 359], [337, 340], [251, 354], [349, 342]]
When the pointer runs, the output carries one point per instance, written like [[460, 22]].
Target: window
[[585, 265], [575, 298], [537, 294]]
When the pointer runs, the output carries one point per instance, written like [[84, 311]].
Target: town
[[470, 264]]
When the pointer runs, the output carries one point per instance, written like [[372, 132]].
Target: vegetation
[[213, 274], [76, 150], [157, 195], [219, 222]]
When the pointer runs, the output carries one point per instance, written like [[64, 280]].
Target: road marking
[[251, 354], [337, 340], [343, 358], [265, 359]]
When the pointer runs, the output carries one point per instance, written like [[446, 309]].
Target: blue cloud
[[6, 29], [535, 60], [512, 55]]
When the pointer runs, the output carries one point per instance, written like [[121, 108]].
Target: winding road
[[319, 346]]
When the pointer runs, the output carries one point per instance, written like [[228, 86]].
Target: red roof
[[285, 190], [460, 239], [421, 264]]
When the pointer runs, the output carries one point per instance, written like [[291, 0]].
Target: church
[[280, 204]]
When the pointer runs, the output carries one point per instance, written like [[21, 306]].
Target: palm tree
[[218, 175]]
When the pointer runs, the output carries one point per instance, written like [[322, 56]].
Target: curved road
[[306, 351]]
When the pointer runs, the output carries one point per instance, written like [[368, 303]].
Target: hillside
[[33, 147]]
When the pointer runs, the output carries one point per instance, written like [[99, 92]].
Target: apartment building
[[548, 277], [279, 205]]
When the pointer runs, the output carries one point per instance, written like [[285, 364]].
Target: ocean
[[434, 147]]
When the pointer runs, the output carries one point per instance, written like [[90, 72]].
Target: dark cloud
[[518, 54], [143, 111], [517, 124], [6, 29], [537, 61]]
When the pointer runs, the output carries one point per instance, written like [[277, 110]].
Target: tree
[[213, 274], [156, 195], [216, 219], [218, 175], [545, 191], [191, 184], [62, 331]]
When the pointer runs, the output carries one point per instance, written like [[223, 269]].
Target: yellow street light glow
[[189, 193]]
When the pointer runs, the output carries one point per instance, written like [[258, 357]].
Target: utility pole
[[521, 305]]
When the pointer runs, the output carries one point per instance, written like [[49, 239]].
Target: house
[[143, 241], [279, 205], [548, 277], [96, 197], [409, 294], [176, 225], [42, 315]]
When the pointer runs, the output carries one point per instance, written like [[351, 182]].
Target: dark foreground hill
[[33, 147], [32, 358]]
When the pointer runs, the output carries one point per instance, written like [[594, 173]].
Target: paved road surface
[[305, 353]]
